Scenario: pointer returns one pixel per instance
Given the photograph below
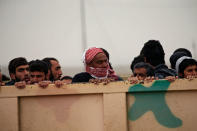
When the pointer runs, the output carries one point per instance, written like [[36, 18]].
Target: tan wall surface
[[87, 107], [60, 113], [181, 104], [9, 114]]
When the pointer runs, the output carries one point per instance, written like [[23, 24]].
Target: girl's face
[[190, 71]]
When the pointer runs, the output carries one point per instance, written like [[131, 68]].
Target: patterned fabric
[[91, 53]]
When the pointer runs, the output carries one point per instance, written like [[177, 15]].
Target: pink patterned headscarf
[[91, 53]]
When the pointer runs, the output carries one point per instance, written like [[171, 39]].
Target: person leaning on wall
[[97, 67]]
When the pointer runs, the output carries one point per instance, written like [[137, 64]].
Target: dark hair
[[175, 57], [185, 63], [105, 52], [16, 62], [5, 78], [107, 55], [66, 78], [136, 60], [38, 65], [184, 50], [48, 59], [153, 52], [149, 68]]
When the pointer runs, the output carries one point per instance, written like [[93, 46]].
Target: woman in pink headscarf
[[96, 66]]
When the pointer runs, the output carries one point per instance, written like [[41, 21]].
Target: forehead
[[100, 56], [37, 73], [22, 67], [191, 67], [54, 62], [140, 70]]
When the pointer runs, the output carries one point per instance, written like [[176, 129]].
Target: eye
[[190, 70], [20, 70], [99, 62], [58, 68], [32, 76], [38, 76]]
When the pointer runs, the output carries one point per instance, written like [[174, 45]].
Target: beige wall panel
[[8, 114], [181, 104], [62, 113], [115, 118]]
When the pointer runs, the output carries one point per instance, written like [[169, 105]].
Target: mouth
[[27, 79], [59, 77]]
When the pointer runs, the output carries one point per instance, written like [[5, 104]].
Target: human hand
[[20, 85], [171, 78], [59, 83], [44, 84]]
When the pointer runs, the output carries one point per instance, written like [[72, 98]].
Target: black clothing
[[82, 77], [85, 77], [12, 82], [162, 71]]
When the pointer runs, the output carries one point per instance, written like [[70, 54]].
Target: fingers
[[44, 84], [133, 80], [59, 83], [104, 81], [20, 85], [2, 83], [136, 80], [190, 77], [171, 78]]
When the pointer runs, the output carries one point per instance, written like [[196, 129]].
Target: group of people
[[148, 65], [42, 72]]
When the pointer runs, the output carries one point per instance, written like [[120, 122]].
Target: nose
[[60, 72], [104, 64], [140, 77], [26, 72], [194, 72]]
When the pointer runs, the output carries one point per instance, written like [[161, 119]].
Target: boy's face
[[190, 71], [36, 77], [22, 73], [140, 73]]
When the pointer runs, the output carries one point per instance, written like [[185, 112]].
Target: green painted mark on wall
[[153, 101]]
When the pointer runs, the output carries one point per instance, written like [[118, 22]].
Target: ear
[[12, 76]]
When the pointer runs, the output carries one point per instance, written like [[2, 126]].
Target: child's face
[[140, 73], [190, 71]]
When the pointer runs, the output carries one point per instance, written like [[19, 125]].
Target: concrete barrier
[[118, 106]]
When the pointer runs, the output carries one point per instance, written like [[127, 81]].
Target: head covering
[[179, 61], [174, 57], [90, 53], [99, 73]]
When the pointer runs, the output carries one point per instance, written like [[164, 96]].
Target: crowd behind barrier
[[38, 97], [117, 106], [147, 66]]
